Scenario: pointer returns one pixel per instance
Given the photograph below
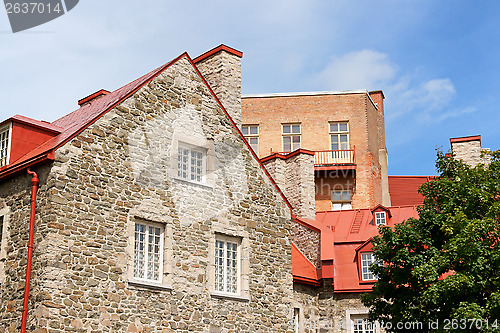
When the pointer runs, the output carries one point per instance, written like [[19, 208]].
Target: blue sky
[[436, 61]]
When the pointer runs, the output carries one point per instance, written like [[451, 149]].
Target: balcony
[[332, 159]]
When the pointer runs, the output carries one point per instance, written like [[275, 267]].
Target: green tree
[[444, 267]]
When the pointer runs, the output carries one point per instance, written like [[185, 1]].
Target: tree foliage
[[444, 267]]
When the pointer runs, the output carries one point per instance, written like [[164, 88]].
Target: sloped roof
[[404, 189], [302, 269]]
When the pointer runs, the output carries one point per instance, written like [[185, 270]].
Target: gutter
[[34, 186]]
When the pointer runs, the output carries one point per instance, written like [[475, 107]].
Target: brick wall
[[314, 112]]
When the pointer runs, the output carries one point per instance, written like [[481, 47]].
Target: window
[[251, 134], [361, 325], [380, 218], [296, 320], [367, 258], [4, 145], [291, 137], [148, 252], [227, 265], [341, 199], [339, 136], [191, 163]]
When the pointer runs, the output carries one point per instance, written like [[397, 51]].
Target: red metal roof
[[404, 189], [466, 138], [349, 230], [302, 269]]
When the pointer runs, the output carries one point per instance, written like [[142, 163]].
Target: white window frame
[[4, 214], [161, 251], [246, 130], [5, 159], [366, 325], [352, 315], [191, 148], [233, 240], [291, 134], [345, 204], [368, 275], [338, 133], [380, 218]]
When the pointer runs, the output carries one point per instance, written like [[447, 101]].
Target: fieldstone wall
[[322, 310], [223, 73], [122, 169], [308, 241], [295, 177], [470, 152]]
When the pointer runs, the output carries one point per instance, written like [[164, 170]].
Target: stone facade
[[121, 170], [308, 241], [294, 174], [468, 149]]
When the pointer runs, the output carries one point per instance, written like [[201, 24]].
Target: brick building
[[346, 132]]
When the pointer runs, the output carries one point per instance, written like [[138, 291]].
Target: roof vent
[[90, 98]]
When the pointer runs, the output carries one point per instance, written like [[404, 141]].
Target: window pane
[[244, 130], [139, 250], [296, 129], [4, 146], [334, 128], [219, 265], [343, 127], [254, 130], [287, 143], [336, 195], [286, 129], [296, 142], [346, 195]]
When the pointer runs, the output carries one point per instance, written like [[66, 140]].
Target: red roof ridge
[[216, 49], [465, 138]]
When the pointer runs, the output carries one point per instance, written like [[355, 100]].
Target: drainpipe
[[34, 183]]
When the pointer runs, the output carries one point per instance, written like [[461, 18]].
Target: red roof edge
[[217, 49], [306, 224], [11, 170], [93, 96], [466, 138], [312, 282], [36, 123], [241, 134], [284, 157]]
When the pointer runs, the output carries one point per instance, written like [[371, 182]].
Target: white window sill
[[187, 181], [234, 297], [149, 285]]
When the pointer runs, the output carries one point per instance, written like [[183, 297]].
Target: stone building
[[346, 132], [152, 213]]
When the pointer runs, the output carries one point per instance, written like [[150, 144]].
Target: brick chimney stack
[[221, 67]]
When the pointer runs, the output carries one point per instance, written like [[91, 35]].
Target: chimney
[[294, 174], [468, 149], [221, 67], [90, 98], [378, 98]]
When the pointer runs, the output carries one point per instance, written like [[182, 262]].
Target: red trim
[[335, 167], [284, 157], [305, 224], [466, 138], [90, 97], [241, 135], [34, 186], [17, 168], [343, 291], [308, 281], [217, 49], [34, 123], [379, 208]]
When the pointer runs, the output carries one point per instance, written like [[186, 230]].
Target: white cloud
[[365, 69]]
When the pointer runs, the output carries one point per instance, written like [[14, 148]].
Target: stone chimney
[[294, 174], [221, 67], [468, 149]]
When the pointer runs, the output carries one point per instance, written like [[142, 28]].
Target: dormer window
[[367, 258], [5, 144], [380, 218]]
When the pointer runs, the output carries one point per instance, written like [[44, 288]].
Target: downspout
[[34, 186]]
